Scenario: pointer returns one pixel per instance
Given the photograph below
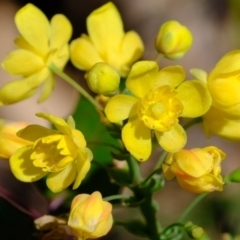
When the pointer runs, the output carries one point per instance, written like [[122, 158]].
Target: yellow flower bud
[[9, 141], [197, 170], [173, 40], [90, 216], [103, 79]]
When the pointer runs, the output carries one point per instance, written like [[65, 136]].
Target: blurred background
[[215, 28]]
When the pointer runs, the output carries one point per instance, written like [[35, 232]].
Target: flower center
[[160, 109], [53, 153]]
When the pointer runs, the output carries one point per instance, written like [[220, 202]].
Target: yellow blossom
[[61, 153], [158, 99], [173, 40], [197, 170], [106, 42], [224, 85], [217, 122], [90, 216], [9, 141], [103, 79], [41, 43]]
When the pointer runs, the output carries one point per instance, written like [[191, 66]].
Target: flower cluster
[[139, 104]]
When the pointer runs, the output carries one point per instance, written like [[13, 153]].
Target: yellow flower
[[9, 141], [216, 122], [41, 44], [224, 85], [106, 42], [90, 216], [103, 79], [159, 99], [62, 153], [197, 170], [173, 40]]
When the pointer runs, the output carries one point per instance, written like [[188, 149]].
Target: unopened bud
[[173, 40], [103, 79]]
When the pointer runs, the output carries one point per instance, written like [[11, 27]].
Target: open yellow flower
[[197, 170], [90, 216], [41, 43], [224, 85], [61, 153], [106, 42], [159, 99], [9, 141]]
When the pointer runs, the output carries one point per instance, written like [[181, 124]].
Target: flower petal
[[83, 166], [61, 57], [22, 166], [47, 88], [142, 78], [195, 98], [173, 140], [34, 27], [83, 54], [172, 76], [137, 139], [30, 62], [33, 132], [58, 181], [23, 88], [131, 50], [118, 108], [105, 29], [58, 122], [61, 31]]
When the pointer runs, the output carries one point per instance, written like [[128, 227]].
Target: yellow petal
[[78, 138], [23, 88], [195, 162], [61, 57], [199, 74], [82, 166], [172, 76], [215, 122], [173, 140], [22, 43], [61, 31], [118, 108], [142, 77], [105, 29], [58, 122], [195, 98], [137, 139], [29, 62], [34, 27], [83, 54], [22, 166], [131, 50], [33, 132], [58, 181], [47, 88]]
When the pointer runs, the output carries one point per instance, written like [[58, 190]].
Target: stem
[[68, 79], [116, 197], [192, 122], [157, 170], [134, 170], [192, 206], [149, 212], [161, 159]]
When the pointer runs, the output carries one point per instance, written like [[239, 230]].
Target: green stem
[[161, 159], [116, 197], [148, 210], [196, 201], [192, 122], [134, 170], [157, 170], [68, 79]]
